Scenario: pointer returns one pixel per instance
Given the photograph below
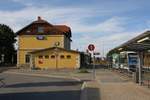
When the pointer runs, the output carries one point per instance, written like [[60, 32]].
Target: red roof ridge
[[40, 20]]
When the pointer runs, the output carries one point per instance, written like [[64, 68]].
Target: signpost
[[56, 53], [96, 53], [91, 48]]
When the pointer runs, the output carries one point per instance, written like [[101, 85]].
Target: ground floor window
[[52, 56], [62, 56], [46, 56], [27, 58], [68, 56], [40, 57]]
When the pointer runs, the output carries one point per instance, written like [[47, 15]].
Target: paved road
[[22, 87]]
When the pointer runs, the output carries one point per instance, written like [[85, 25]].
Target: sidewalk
[[113, 86], [90, 91], [123, 91]]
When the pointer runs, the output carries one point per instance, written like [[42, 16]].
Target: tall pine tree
[[7, 40]]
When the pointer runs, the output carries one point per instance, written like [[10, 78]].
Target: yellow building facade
[[40, 36], [55, 58]]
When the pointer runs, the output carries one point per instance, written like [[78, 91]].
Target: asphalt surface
[[23, 87]]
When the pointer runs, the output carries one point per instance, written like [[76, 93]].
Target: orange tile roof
[[49, 29]]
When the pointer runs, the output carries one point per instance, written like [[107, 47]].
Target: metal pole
[[56, 61], [140, 68], [56, 55], [94, 72]]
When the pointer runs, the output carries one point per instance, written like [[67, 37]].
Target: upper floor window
[[40, 29]]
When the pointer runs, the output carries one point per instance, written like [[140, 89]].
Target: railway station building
[[46, 46]]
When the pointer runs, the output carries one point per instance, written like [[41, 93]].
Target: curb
[[90, 91], [83, 94], [43, 75]]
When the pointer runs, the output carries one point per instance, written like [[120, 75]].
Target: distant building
[[43, 45]]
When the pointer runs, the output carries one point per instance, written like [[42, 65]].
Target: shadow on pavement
[[3, 69], [93, 93], [44, 84], [90, 93], [52, 95]]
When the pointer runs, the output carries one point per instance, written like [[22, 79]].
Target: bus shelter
[[140, 45]]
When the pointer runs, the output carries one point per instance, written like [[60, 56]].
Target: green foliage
[[36, 68], [7, 40], [83, 70]]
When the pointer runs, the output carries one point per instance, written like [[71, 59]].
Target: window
[[46, 57], [27, 58], [40, 57], [62, 56], [52, 56], [40, 29], [68, 57]]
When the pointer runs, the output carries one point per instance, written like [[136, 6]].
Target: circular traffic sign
[[91, 47]]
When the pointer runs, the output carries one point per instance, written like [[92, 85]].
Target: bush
[[83, 70], [36, 68]]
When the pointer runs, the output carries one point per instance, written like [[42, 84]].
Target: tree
[[7, 40]]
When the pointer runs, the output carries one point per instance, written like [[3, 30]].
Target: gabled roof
[[49, 28], [53, 48]]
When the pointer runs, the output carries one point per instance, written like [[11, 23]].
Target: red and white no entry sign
[[91, 47]]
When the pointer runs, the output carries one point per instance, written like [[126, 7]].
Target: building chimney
[[39, 18]]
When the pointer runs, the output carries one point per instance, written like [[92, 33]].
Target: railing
[[146, 77], [130, 74]]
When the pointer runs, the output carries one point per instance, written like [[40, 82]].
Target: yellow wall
[[21, 56], [31, 42], [50, 63], [28, 43]]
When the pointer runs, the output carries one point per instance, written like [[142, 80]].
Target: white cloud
[[16, 19], [104, 43], [106, 34], [111, 25]]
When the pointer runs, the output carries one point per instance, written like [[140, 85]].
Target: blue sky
[[105, 23]]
